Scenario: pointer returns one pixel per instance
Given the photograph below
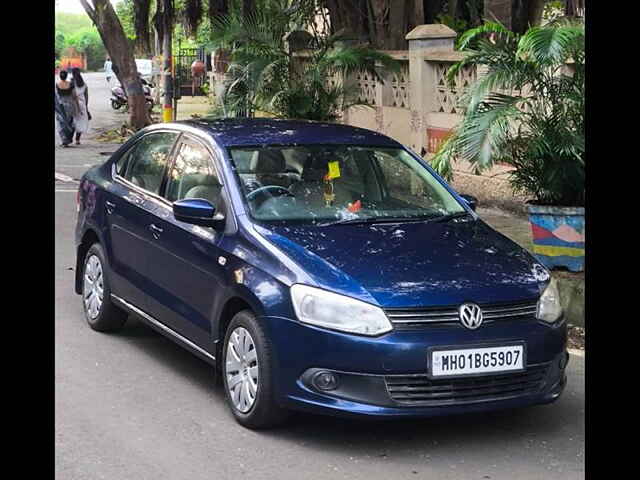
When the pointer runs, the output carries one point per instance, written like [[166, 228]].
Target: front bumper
[[375, 374]]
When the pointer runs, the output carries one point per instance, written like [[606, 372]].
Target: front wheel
[[247, 373]]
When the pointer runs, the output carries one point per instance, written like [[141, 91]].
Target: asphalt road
[[133, 405]]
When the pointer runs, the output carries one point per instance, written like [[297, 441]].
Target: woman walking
[[81, 116], [64, 105]]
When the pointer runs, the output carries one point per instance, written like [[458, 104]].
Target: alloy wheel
[[241, 369], [93, 286]]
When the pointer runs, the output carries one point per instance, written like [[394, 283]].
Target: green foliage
[[60, 42], [124, 10], [69, 23], [77, 31], [454, 23], [552, 10], [88, 41], [526, 111], [267, 77]]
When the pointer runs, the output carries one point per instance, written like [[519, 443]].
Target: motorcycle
[[119, 96]]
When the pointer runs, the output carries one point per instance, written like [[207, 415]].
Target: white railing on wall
[[447, 96], [367, 85], [401, 87]]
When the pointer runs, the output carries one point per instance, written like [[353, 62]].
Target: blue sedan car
[[317, 267]]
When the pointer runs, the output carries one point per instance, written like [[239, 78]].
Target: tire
[[115, 104], [103, 315], [263, 412]]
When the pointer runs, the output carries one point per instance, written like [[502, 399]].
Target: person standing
[[64, 107], [81, 116], [107, 70]]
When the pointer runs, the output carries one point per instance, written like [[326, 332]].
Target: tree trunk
[[432, 9], [418, 13], [191, 16], [218, 8], [498, 11], [535, 12], [349, 16], [379, 10], [141, 22], [574, 8], [397, 25], [158, 36], [115, 41], [390, 21], [452, 8], [526, 14]]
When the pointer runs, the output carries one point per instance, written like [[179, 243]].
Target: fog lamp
[[325, 381], [564, 360]]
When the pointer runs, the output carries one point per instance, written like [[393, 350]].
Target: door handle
[[155, 231], [110, 206]]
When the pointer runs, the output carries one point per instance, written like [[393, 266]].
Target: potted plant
[[527, 110]]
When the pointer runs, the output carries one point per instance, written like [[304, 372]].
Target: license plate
[[476, 361]]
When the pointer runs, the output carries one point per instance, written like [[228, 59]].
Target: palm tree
[[526, 110], [268, 76]]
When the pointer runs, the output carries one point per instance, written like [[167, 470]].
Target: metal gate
[[188, 84]]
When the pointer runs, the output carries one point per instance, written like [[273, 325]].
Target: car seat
[[310, 189], [209, 191], [269, 166]]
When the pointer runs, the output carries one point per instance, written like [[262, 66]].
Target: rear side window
[[148, 160]]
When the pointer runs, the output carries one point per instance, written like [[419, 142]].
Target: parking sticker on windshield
[[334, 170]]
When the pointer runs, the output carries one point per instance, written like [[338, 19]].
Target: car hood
[[412, 264]]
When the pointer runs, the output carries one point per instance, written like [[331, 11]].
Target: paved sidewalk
[[515, 227], [188, 106]]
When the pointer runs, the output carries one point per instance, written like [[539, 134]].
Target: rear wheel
[[99, 311], [247, 373]]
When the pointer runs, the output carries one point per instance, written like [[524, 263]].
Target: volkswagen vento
[[317, 267]]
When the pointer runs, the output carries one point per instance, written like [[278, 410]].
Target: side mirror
[[471, 200], [197, 211]]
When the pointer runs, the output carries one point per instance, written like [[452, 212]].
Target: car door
[[130, 209], [186, 268]]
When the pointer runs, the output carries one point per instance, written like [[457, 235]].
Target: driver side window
[[193, 175]]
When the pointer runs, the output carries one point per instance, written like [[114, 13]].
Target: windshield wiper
[[450, 216], [357, 221]]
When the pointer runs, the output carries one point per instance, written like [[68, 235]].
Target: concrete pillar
[[423, 41]]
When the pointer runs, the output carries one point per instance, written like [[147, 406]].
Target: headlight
[[338, 312], [549, 308]]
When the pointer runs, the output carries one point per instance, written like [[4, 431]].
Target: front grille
[[419, 390], [408, 318]]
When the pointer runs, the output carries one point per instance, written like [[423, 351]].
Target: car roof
[[229, 132]]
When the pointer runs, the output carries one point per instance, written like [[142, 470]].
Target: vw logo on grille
[[470, 315]]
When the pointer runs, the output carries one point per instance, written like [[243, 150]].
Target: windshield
[[329, 183]]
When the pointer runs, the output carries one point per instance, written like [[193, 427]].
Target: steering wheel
[[269, 189]]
